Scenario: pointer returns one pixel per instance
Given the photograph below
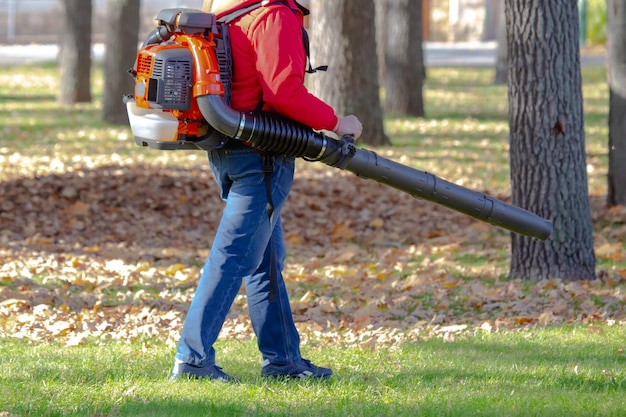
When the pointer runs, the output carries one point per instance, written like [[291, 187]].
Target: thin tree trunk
[[404, 58], [382, 6], [75, 52], [502, 59], [616, 68], [121, 52], [548, 168]]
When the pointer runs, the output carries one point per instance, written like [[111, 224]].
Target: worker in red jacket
[[269, 63]]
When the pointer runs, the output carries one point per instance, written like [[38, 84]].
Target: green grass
[[566, 371], [569, 370]]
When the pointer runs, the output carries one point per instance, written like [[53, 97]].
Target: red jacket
[[269, 62]]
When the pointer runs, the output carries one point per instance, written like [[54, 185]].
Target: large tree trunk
[[75, 52], [343, 36], [616, 56], [404, 58], [502, 59], [548, 168], [121, 51]]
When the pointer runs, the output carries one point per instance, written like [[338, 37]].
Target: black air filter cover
[[169, 87]]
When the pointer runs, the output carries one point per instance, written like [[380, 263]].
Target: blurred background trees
[[403, 74], [616, 68], [121, 51], [75, 52]]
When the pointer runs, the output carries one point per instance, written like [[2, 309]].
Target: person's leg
[[238, 249], [277, 336]]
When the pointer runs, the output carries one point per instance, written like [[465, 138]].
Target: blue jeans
[[242, 250]]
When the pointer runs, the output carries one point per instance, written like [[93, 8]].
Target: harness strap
[[305, 40], [238, 13], [268, 170]]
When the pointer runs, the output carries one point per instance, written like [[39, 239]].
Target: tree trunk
[[343, 36], [502, 60], [548, 168], [121, 52], [75, 52], [382, 7], [616, 68], [404, 58]]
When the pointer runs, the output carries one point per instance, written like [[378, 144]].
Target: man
[[269, 60]]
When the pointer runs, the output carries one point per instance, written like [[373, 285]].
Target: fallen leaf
[[173, 269], [79, 208], [595, 329], [342, 231], [377, 223], [449, 337], [610, 251], [523, 320], [608, 375]]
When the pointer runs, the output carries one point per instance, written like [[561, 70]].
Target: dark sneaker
[[199, 372], [303, 369]]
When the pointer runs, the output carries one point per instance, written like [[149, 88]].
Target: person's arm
[[280, 60]]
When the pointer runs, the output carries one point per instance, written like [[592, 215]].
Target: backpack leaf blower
[[182, 80]]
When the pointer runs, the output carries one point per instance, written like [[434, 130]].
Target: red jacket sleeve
[[280, 61]]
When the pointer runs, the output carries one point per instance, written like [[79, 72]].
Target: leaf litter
[[113, 249]]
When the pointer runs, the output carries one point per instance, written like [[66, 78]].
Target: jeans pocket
[[247, 165]]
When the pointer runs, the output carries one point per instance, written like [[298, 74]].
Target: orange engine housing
[[169, 76]]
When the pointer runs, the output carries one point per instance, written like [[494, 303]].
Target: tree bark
[[343, 36], [404, 58], [75, 52], [121, 52], [616, 68], [548, 167]]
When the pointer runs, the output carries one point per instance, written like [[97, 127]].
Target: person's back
[[269, 61]]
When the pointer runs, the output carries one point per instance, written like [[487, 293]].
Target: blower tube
[[274, 133]]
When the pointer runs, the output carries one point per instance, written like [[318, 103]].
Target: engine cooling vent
[[157, 70], [177, 80], [171, 80], [144, 63]]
